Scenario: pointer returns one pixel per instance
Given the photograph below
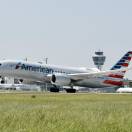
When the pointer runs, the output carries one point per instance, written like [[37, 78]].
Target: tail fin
[[116, 79], [124, 61]]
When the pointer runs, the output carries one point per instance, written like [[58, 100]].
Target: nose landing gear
[[2, 80]]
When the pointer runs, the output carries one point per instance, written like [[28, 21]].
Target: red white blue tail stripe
[[116, 79], [123, 62]]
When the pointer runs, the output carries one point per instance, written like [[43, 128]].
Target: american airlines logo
[[18, 66], [34, 68]]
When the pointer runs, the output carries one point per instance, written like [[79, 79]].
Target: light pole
[[46, 60]]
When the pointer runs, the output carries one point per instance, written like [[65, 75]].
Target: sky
[[68, 32]]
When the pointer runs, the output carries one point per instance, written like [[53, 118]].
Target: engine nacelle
[[60, 80]]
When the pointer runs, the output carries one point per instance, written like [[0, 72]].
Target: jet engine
[[60, 80]]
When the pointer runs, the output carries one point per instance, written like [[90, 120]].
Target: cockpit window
[[0, 64]]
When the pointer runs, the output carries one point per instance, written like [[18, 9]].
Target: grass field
[[46, 112]]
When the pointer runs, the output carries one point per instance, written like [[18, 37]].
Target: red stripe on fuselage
[[115, 76], [116, 83]]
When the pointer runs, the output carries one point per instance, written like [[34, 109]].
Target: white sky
[[66, 31]]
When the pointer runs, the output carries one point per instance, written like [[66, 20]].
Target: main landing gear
[[70, 90], [57, 89], [54, 89]]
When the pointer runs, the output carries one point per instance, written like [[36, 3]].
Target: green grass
[[46, 112]]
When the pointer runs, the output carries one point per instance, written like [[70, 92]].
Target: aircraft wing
[[81, 76]]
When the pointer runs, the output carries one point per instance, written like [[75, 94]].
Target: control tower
[[99, 59]]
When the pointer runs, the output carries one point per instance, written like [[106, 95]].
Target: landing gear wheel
[[71, 90], [54, 90]]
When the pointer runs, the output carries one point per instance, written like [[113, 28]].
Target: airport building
[[99, 59], [130, 83]]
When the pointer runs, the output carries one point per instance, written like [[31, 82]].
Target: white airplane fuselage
[[39, 73]]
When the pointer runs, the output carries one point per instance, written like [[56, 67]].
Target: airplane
[[124, 90], [19, 87], [67, 76]]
